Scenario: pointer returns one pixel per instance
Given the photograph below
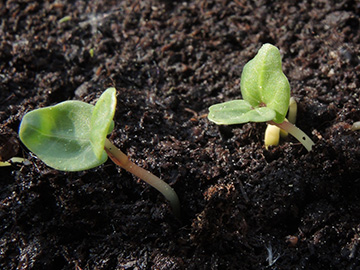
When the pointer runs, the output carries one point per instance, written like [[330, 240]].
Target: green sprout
[[266, 94], [71, 136]]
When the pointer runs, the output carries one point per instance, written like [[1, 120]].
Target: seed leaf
[[101, 120], [70, 136], [59, 136], [264, 84], [238, 112]]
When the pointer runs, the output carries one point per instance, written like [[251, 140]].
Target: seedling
[[266, 93], [71, 136]]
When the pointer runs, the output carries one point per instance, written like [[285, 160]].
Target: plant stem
[[122, 160], [292, 111], [296, 132]]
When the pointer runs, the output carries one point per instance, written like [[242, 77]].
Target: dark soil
[[171, 60]]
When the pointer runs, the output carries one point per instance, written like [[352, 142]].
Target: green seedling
[[71, 136], [266, 93]]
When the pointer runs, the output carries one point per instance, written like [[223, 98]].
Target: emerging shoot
[[71, 136], [272, 136], [266, 94], [273, 133]]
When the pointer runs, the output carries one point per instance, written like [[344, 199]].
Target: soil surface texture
[[243, 207]]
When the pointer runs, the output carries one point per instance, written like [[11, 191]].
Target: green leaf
[[238, 112], [60, 136], [102, 120], [264, 84]]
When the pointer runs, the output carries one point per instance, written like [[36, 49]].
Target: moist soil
[[243, 207]]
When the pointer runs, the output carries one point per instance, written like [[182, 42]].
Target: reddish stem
[[122, 160]]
